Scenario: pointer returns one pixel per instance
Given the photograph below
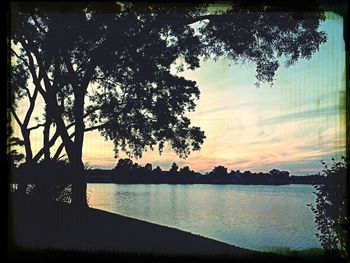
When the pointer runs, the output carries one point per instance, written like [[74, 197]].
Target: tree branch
[[41, 65], [60, 148], [36, 126], [31, 107], [87, 113], [56, 135], [49, 97], [31, 67], [58, 152], [16, 116], [28, 92], [50, 144], [70, 68], [19, 57], [38, 25]]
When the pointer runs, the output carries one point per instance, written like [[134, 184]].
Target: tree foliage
[[125, 51], [174, 167], [330, 209], [107, 66], [219, 171]]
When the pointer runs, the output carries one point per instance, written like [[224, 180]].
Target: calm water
[[258, 217]]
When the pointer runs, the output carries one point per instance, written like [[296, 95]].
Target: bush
[[331, 209]]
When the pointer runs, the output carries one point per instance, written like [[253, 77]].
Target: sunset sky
[[289, 126]]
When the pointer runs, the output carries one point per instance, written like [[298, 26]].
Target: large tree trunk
[[45, 187], [79, 185], [27, 145], [74, 150], [22, 187], [46, 135]]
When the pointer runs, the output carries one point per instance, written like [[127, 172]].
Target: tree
[[157, 171], [13, 156], [18, 91], [107, 67], [185, 170], [331, 218], [148, 167], [219, 171], [278, 176], [124, 164], [174, 167]]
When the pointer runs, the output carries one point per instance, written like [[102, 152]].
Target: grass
[[53, 228]]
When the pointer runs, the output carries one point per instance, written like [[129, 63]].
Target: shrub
[[331, 209]]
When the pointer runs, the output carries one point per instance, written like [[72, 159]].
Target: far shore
[[141, 175]]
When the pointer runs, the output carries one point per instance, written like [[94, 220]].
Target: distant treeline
[[131, 173]]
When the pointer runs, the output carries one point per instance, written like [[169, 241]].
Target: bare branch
[[36, 126], [58, 152], [51, 143], [60, 148], [16, 117], [31, 107], [49, 99], [31, 67]]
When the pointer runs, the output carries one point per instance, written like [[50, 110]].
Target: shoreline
[[155, 183], [89, 230]]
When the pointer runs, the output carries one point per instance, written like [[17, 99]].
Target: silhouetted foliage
[[107, 66], [157, 171], [330, 210], [174, 167], [15, 94], [148, 167], [124, 164], [44, 181], [15, 157], [185, 170], [128, 172], [277, 175], [219, 171], [307, 179]]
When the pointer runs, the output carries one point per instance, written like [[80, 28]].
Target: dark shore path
[[60, 227]]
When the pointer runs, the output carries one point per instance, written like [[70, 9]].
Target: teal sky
[[292, 125]]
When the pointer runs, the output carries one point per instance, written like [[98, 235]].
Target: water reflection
[[257, 217]]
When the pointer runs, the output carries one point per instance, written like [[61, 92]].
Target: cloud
[[302, 115]]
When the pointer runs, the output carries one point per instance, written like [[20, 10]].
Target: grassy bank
[[62, 228], [53, 228]]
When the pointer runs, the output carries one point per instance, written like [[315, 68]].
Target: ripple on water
[[257, 217]]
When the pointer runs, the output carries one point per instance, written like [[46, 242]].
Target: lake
[[259, 217]]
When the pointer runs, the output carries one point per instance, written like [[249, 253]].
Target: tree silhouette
[[18, 91], [107, 66], [185, 170], [13, 156], [148, 167], [174, 167], [157, 171], [331, 215], [219, 171]]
